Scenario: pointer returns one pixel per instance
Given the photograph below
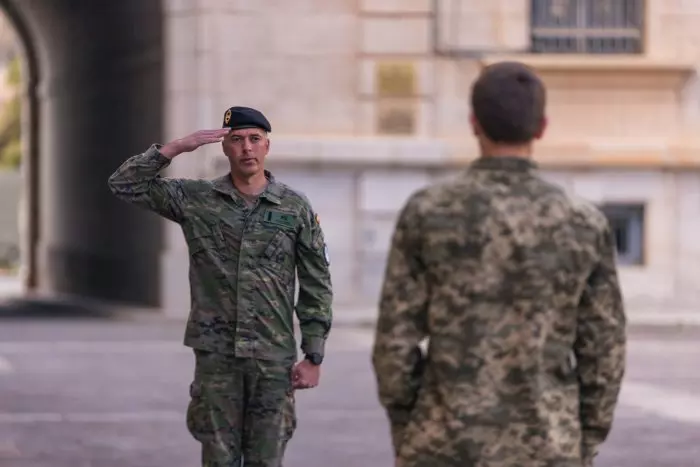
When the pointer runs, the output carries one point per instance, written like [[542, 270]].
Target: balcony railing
[[587, 26], [556, 26]]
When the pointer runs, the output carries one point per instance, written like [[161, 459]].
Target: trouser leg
[[215, 415], [289, 423], [270, 418]]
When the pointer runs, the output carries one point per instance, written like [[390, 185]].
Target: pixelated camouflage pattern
[[514, 285], [241, 410], [243, 260]]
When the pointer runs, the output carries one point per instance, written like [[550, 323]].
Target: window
[[587, 26], [627, 225]]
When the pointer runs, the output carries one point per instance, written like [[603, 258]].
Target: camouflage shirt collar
[[272, 193], [508, 163]]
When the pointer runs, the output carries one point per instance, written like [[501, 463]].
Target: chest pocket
[[202, 237], [279, 254]]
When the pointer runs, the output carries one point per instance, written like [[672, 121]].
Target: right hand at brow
[[193, 141]]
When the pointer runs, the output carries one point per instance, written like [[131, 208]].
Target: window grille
[[587, 26]]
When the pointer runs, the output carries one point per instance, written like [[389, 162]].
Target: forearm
[[398, 392], [171, 150], [398, 420], [315, 325], [398, 367], [132, 181], [137, 182], [600, 382]]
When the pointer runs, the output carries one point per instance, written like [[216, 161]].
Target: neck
[[251, 185], [506, 150]]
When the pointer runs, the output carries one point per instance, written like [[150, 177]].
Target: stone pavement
[[108, 393]]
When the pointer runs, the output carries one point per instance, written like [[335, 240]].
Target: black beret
[[245, 117]]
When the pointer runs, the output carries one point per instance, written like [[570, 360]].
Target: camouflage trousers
[[241, 410]]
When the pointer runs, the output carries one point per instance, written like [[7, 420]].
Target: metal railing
[[556, 26], [587, 26]]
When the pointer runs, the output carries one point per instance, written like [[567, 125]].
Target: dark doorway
[[94, 96]]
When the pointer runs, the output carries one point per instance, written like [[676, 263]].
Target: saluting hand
[[191, 142]]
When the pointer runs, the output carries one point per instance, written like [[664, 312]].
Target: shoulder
[[292, 196], [431, 197], [424, 201], [580, 211], [295, 201], [587, 213]]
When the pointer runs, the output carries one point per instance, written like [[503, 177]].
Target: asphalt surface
[[112, 393]]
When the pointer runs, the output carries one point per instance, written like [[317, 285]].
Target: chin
[[249, 171]]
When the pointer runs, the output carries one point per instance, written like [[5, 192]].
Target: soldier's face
[[246, 150]]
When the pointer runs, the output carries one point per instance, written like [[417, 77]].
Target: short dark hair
[[508, 101]]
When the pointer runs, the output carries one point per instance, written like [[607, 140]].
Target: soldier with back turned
[[248, 235], [514, 285]]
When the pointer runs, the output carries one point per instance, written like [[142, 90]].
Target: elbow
[[114, 181], [122, 187]]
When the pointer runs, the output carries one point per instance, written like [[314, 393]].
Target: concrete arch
[[94, 96]]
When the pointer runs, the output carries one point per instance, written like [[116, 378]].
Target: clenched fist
[[305, 375]]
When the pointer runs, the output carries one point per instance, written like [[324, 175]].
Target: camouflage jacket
[[513, 283], [243, 260]]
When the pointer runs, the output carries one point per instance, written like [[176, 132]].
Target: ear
[[476, 129], [542, 128]]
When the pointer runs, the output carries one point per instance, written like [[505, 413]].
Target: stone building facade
[[368, 101]]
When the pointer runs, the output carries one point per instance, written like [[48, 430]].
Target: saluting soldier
[[248, 235]]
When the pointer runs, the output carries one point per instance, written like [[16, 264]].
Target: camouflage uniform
[[514, 285], [243, 260]]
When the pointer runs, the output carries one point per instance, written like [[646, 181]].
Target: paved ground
[[98, 393]]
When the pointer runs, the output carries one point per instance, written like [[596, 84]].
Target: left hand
[[305, 375]]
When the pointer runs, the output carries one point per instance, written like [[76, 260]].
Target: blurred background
[[369, 101]]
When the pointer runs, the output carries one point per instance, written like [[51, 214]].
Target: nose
[[247, 144]]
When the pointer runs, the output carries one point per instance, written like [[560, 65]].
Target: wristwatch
[[315, 358]]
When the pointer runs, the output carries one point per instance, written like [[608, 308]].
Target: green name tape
[[279, 218]]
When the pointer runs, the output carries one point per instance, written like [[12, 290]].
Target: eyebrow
[[248, 135]]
